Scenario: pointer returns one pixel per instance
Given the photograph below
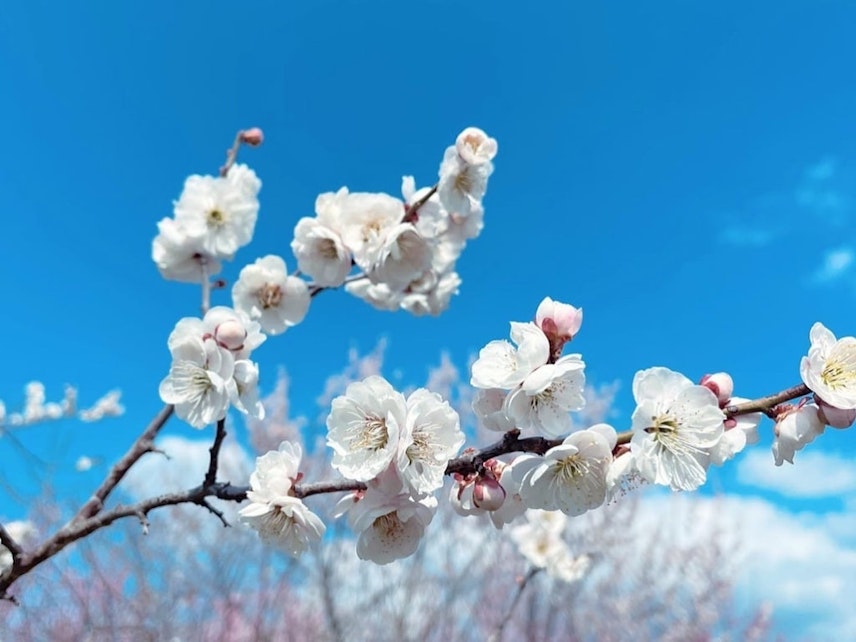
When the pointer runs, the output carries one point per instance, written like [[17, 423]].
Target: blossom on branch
[[829, 370], [210, 368], [570, 477], [674, 426], [796, 426], [280, 518], [265, 293], [540, 542]]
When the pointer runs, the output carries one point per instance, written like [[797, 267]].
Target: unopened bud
[[721, 384], [834, 417], [252, 137], [230, 335], [488, 494], [558, 319]]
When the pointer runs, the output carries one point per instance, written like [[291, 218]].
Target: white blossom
[[321, 253], [367, 218], [795, 428], [200, 382], [462, 185], [246, 374], [431, 437], [389, 520], [402, 256], [488, 404], [738, 432], [430, 294], [180, 255], [265, 293], [279, 517], [829, 370], [546, 395], [378, 295], [501, 365], [674, 425], [475, 147], [570, 477], [364, 428], [220, 210], [623, 477]]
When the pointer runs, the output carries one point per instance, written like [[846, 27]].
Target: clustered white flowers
[[281, 519], [211, 369], [400, 447], [405, 249], [400, 253]]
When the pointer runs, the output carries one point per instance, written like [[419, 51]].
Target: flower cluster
[[400, 447], [530, 386], [829, 371], [211, 369], [281, 518], [214, 216], [406, 249]]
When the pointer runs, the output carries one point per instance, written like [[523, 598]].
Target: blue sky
[[684, 171]]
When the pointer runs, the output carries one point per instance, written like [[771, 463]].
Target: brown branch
[[9, 542], [232, 153], [769, 402], [211, 475], [144, 444], [341, 485], [496, 636]]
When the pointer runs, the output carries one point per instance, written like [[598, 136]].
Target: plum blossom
[[501, 365], [321, 253], [210, 368], [570, 477], [366, 219], [401, 257], [200, 383], [389, 520], [488, 404], [674, 425], [829, 370], [431, 437], [475, 147], [221, 210], [559, 321], [738, 432], [835, 417], [462, 186], [795, 427], [546, 395], [279, 517], [265, 293], [180, 255], [364, 428]]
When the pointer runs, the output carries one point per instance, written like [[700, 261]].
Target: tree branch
[[143, 444], [211, 475]]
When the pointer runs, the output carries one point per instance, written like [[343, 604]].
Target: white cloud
[[802, 564], [815, 474], [836, 264]]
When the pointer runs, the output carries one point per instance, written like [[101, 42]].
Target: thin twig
[[143, 444], [211, 475], [232, 153], [496, 636]]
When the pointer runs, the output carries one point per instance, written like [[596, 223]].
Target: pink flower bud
[[721, 384], [834, 417], [230, 335], [252, 137], [488, 494], [558, 319]]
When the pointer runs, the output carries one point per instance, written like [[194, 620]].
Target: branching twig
[[143, 444], [211, 475], [496, 636]]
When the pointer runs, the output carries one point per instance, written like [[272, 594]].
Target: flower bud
[[721, 384], [252, 137], [230, 334], [558, 320], [475, 147], [834, 417], [488, 494]]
